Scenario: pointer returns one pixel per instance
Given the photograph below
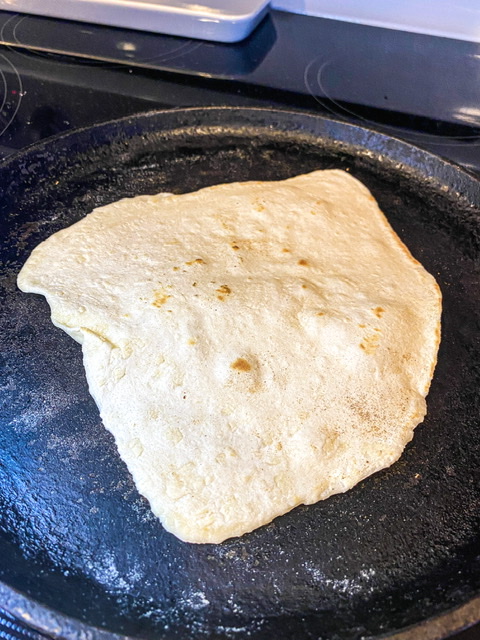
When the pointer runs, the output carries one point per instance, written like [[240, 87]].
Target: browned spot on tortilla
[[176, 268], [259, 206], [286, 250], [235, 247], [241, 364], [378, 311], [370, 343], [160, 299], [321, 313], [194, 284], [192, 341], [224, 290], [362, 326], [196, 261], [303, 262]]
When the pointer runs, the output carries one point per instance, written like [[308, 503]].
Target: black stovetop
[[57, 75]]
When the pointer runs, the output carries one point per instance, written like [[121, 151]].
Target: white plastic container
[[459, 19], [219, 20]]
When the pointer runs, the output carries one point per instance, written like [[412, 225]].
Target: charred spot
[[370, 343], [196, 261], [241, 364], [223, 291], [160, 299]]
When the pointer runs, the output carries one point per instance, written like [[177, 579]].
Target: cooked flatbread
[[251, 346]]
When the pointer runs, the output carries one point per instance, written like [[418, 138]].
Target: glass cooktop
[[56, 75]]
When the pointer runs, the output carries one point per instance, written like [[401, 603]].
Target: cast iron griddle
[[75, 535]]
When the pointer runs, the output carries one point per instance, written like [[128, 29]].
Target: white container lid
[[459, 19], [219, 20]]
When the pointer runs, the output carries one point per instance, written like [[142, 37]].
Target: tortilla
[[251, 346]]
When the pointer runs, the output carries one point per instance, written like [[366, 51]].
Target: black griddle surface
[[76, 536]]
